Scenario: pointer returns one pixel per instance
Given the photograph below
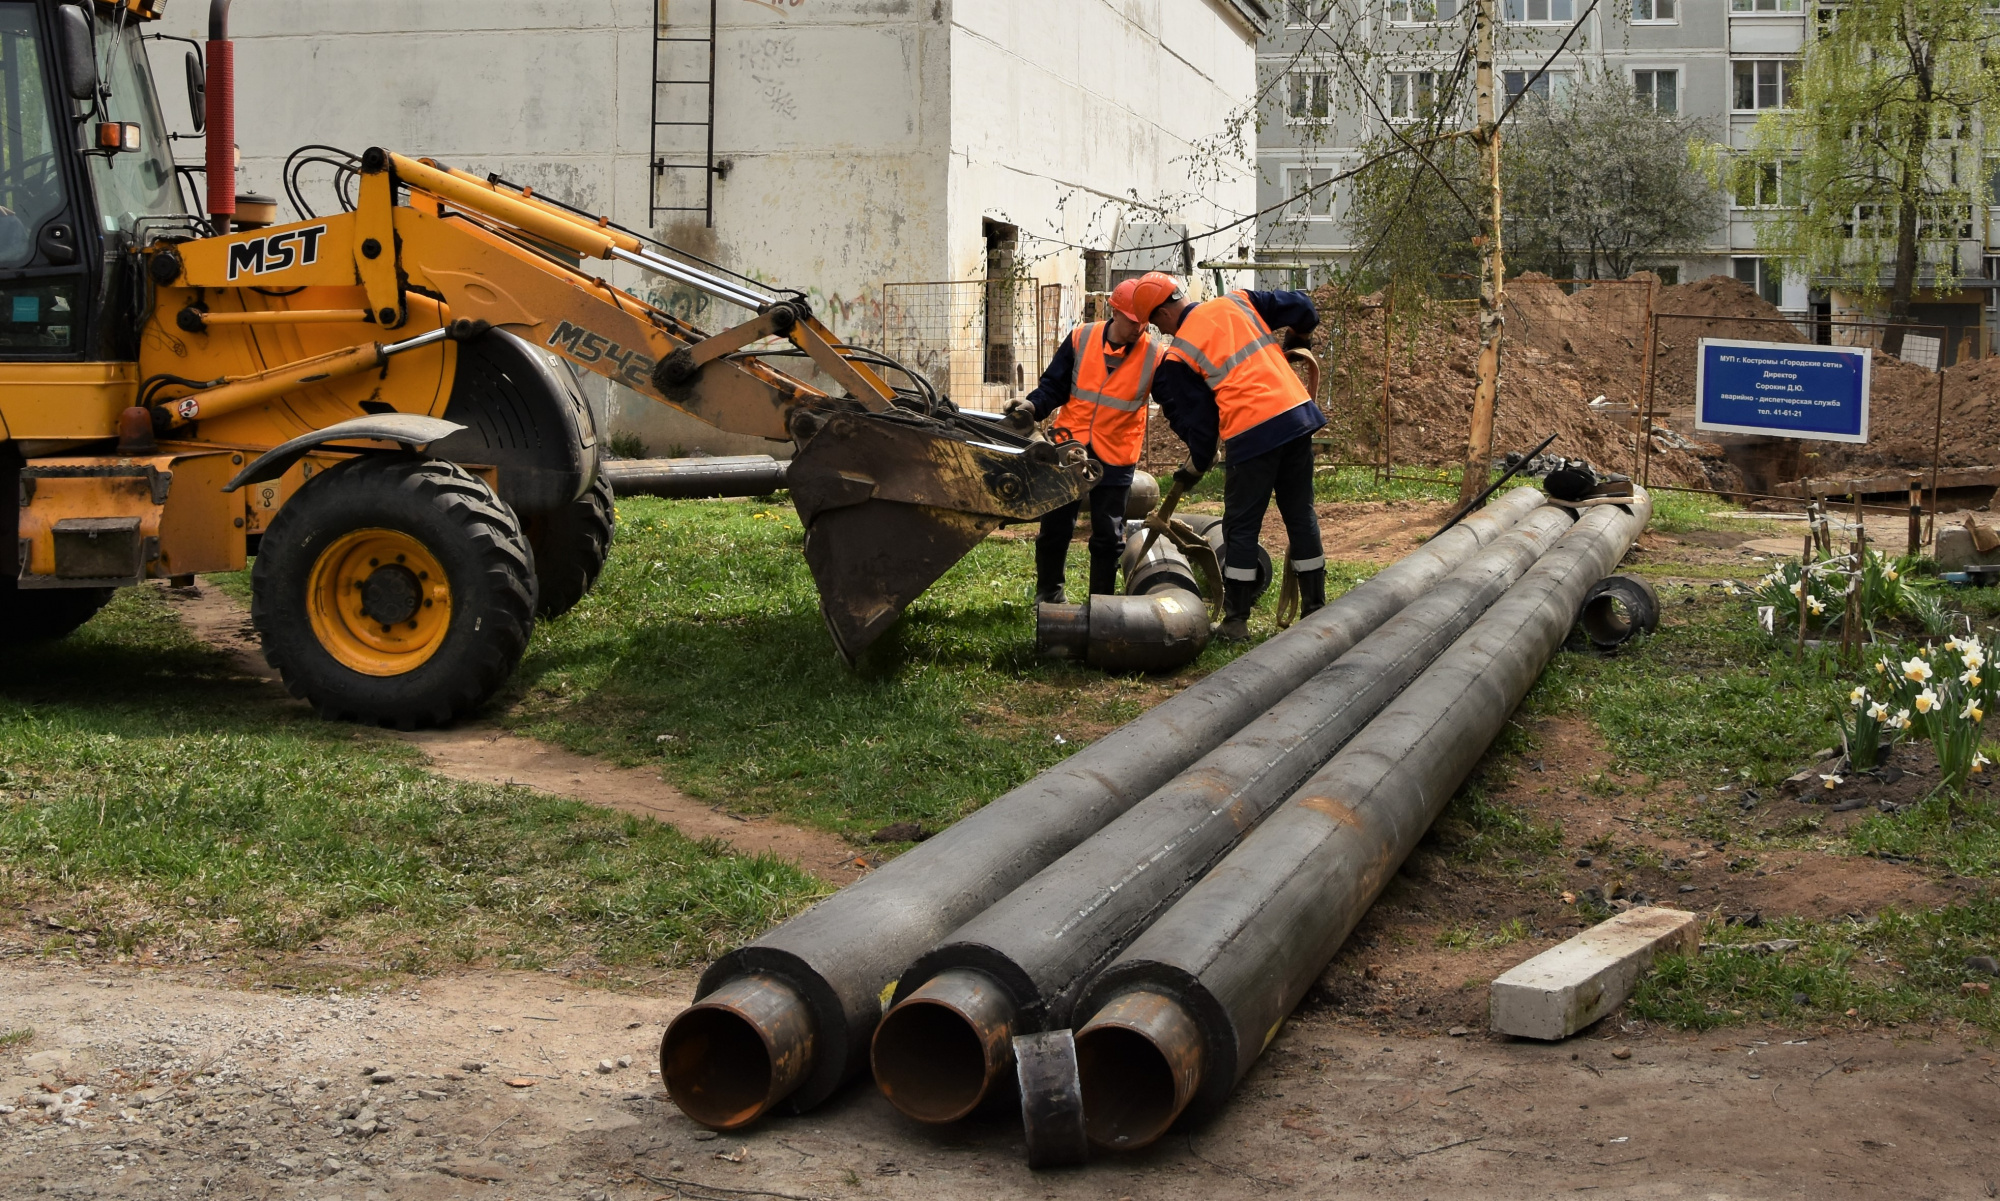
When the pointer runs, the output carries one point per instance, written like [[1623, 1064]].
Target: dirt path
[[209, 1091], [483, 753]]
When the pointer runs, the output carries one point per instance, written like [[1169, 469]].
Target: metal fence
[[982, 342]]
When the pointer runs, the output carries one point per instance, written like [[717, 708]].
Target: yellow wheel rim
[[380, 602]]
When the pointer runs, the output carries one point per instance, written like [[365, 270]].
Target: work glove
[[1187, 475], [1019, 416]]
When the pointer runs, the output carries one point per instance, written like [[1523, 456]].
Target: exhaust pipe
[[1232, 957], [695, 479], [1038, 946], [219, 118], [836, 959]]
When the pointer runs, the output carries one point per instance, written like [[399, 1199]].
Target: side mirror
[[197, 91], [79, 53]]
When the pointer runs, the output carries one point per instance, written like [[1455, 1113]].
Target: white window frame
[[1328, 197], [1527, 16], [1656, 72], [1324, 7], [1656, 19], [1787, 70], [1412, 115], [1389, 7], [1761, 202], [1324, 72], [1561, 82], [1767, 8], [1762, 282]]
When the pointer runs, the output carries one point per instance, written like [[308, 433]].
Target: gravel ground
[[499, 1085]]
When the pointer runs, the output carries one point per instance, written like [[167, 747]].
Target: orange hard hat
[[1121, 301], [1152, 290]]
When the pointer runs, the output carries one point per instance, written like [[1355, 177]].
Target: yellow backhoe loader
[[380, 404]]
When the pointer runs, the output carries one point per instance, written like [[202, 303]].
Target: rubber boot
[[1238, 598], [1050, 596], [1103, 573], [1312, 591]]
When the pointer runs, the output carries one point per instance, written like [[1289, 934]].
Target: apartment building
[[1722, 62]]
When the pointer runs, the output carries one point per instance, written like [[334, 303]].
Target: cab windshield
[[138, 183]]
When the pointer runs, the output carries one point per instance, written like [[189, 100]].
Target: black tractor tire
[[30, 615], [465, 547], [571, 545]]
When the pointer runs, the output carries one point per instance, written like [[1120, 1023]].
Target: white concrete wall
[[1072, 117], [865, 139]]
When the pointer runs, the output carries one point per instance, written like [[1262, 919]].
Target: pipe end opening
[[931, 1062], [1130, 1094], [717, 1068]]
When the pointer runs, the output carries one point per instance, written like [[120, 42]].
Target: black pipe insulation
[[1178, 1019], [824, 974], [695, 479], [1017, 968]]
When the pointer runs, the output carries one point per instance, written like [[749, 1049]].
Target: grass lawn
[[153, 806], [702, 650]]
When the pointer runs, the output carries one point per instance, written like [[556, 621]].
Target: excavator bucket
[[890, 500]]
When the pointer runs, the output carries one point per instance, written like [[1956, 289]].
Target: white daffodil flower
[[1926, 701], [1878, 711], [1917, 670]]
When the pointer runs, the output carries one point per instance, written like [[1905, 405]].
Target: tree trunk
[[1479, 440], [1910, 194]]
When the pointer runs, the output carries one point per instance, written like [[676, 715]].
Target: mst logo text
[[276, 252]]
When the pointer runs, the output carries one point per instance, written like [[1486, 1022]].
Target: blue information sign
[[1783, 389]]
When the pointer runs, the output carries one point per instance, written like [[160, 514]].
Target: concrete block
[[1567, 987], [1955, 550]]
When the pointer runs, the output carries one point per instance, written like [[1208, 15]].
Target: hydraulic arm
[[894, 484]]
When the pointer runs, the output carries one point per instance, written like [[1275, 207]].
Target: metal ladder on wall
[[681, 144]]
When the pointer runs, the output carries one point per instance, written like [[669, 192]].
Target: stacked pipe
[[1178, 1019], [790, 1017], [695, 479], [1017, 968], [1159, 624]]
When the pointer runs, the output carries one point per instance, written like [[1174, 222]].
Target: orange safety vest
[[1108, 390], [1229, 345]]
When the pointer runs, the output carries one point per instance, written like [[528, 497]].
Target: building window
[[1763, 83], [1658, 89], [1309, 95], [1993, 181], [1420, 12], [1762, 274], [1307, 12], [1541, 12], [1310, 190], [1765, 6], [1770, 185], [1412, 95], [1655, 12], [1550, 85], [1097, 271]]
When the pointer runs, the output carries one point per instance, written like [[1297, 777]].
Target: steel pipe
[[741, 1047], [839, 957], [949, 1047], [1234, 955], [1155, 565], [1040, 944], [1161, 631], [695, 479]]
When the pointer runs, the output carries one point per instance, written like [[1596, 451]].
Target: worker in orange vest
[[1226, 380], [1096, 387]]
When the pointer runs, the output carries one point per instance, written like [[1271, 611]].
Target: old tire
[[30, 615], [395, 591], [1617, 609], [571, 545]]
